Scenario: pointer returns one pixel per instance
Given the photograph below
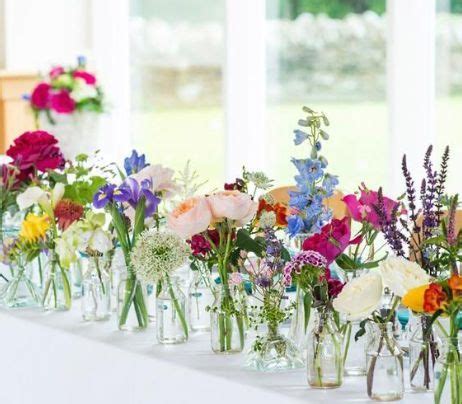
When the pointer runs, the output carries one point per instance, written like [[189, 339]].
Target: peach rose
[[233, 205], [190, 217]]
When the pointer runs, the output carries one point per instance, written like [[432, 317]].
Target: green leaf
[[307, 303], [138, 225], [245, 242]]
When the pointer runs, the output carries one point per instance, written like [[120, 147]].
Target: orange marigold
[[455, 283], [434, 298]]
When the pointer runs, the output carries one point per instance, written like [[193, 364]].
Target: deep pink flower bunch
[[303, 258]]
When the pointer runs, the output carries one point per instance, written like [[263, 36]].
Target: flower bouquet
[[155, 257], [411, 235], [68, 103]]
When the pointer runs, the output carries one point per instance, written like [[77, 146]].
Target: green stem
[[347, 342], [98, 271], [178, 309]]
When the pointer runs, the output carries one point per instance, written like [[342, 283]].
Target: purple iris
[[104, 196], [135, 163], [131, 192]]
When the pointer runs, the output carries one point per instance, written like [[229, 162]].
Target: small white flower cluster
[[260, 179], [267, 219], [157, 254]]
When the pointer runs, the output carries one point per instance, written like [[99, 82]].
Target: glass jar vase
[[448, 372], [384, 364], [132, 313], [324, 352], [200, 296], [227, 321], [96, 289], [423, 353], [76, 274], [57, 292], [274, 352], [171, 325], [354, 351], [21, 291]]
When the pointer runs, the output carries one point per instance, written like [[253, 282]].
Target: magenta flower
[[89, 78], [362, 209], [40, 96], [62, 103]]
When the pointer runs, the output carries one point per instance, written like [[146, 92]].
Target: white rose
[[401, 275], [360, 297]]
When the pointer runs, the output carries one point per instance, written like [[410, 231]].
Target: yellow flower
[[414, 298], [34, 227]]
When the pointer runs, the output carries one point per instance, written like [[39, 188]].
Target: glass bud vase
[[200, 296], [299, 322], [274, 352], [21, 291], [324, 353], [171, 325], [96, 289], [448, 372], [76, 274], [384, 366], [57, 292], [354, 352], [132, 312], [227, 321], [423, 353]]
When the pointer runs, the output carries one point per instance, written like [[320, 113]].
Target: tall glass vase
[[131, 304], [200, 296], [21, 291], [384, 366], [354, 351], [57, 293], [96, 289], [423, 353], [324, 353], [227, 321], [274, 352], [300, 320], [171, 324], [448, 372]]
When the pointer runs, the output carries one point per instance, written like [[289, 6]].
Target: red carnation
[[40, 97], [67, 212], [89, 78], [35, 151], [62, 103]]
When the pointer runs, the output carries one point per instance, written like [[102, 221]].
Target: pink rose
[[191, 217], [89, 78], [161, 178], [40, 97], [233, 205], [62, 103], [56, 71], [362, 209]]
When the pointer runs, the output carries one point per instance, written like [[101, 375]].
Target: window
[[176, 57]]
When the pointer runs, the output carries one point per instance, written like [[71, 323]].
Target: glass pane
[[176, 83], [330, 56], [449, 85]]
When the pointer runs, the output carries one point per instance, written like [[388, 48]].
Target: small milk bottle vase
[[57, 292], [171, 324], [21, 291], [200, 296], [96, 289], [448, 371]]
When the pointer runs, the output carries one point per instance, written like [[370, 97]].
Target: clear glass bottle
[[96, 289], [200, 296], [274, 352], [448, 372], [227, 321], [423, 353], [132, 312], [299, 323], [324, 352], [171, 325], [57, 290], [117, 271], [21, 291], [354, 351], [384, 366], [76, 275]]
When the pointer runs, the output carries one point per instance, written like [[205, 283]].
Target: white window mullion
[[245, 84], [411, 83]]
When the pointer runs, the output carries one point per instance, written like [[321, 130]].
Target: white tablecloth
[[57, 358]]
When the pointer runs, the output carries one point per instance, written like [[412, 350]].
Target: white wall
[[43, 32]]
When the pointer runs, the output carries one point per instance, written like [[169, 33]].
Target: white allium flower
[[267, 219], [259, 179], [157, 254]]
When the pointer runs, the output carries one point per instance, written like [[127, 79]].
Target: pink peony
[[191, 217], [62, 103], [362, 209], [89, 78], [232, 205], [56, 71], [40, 97], [333, 239]]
